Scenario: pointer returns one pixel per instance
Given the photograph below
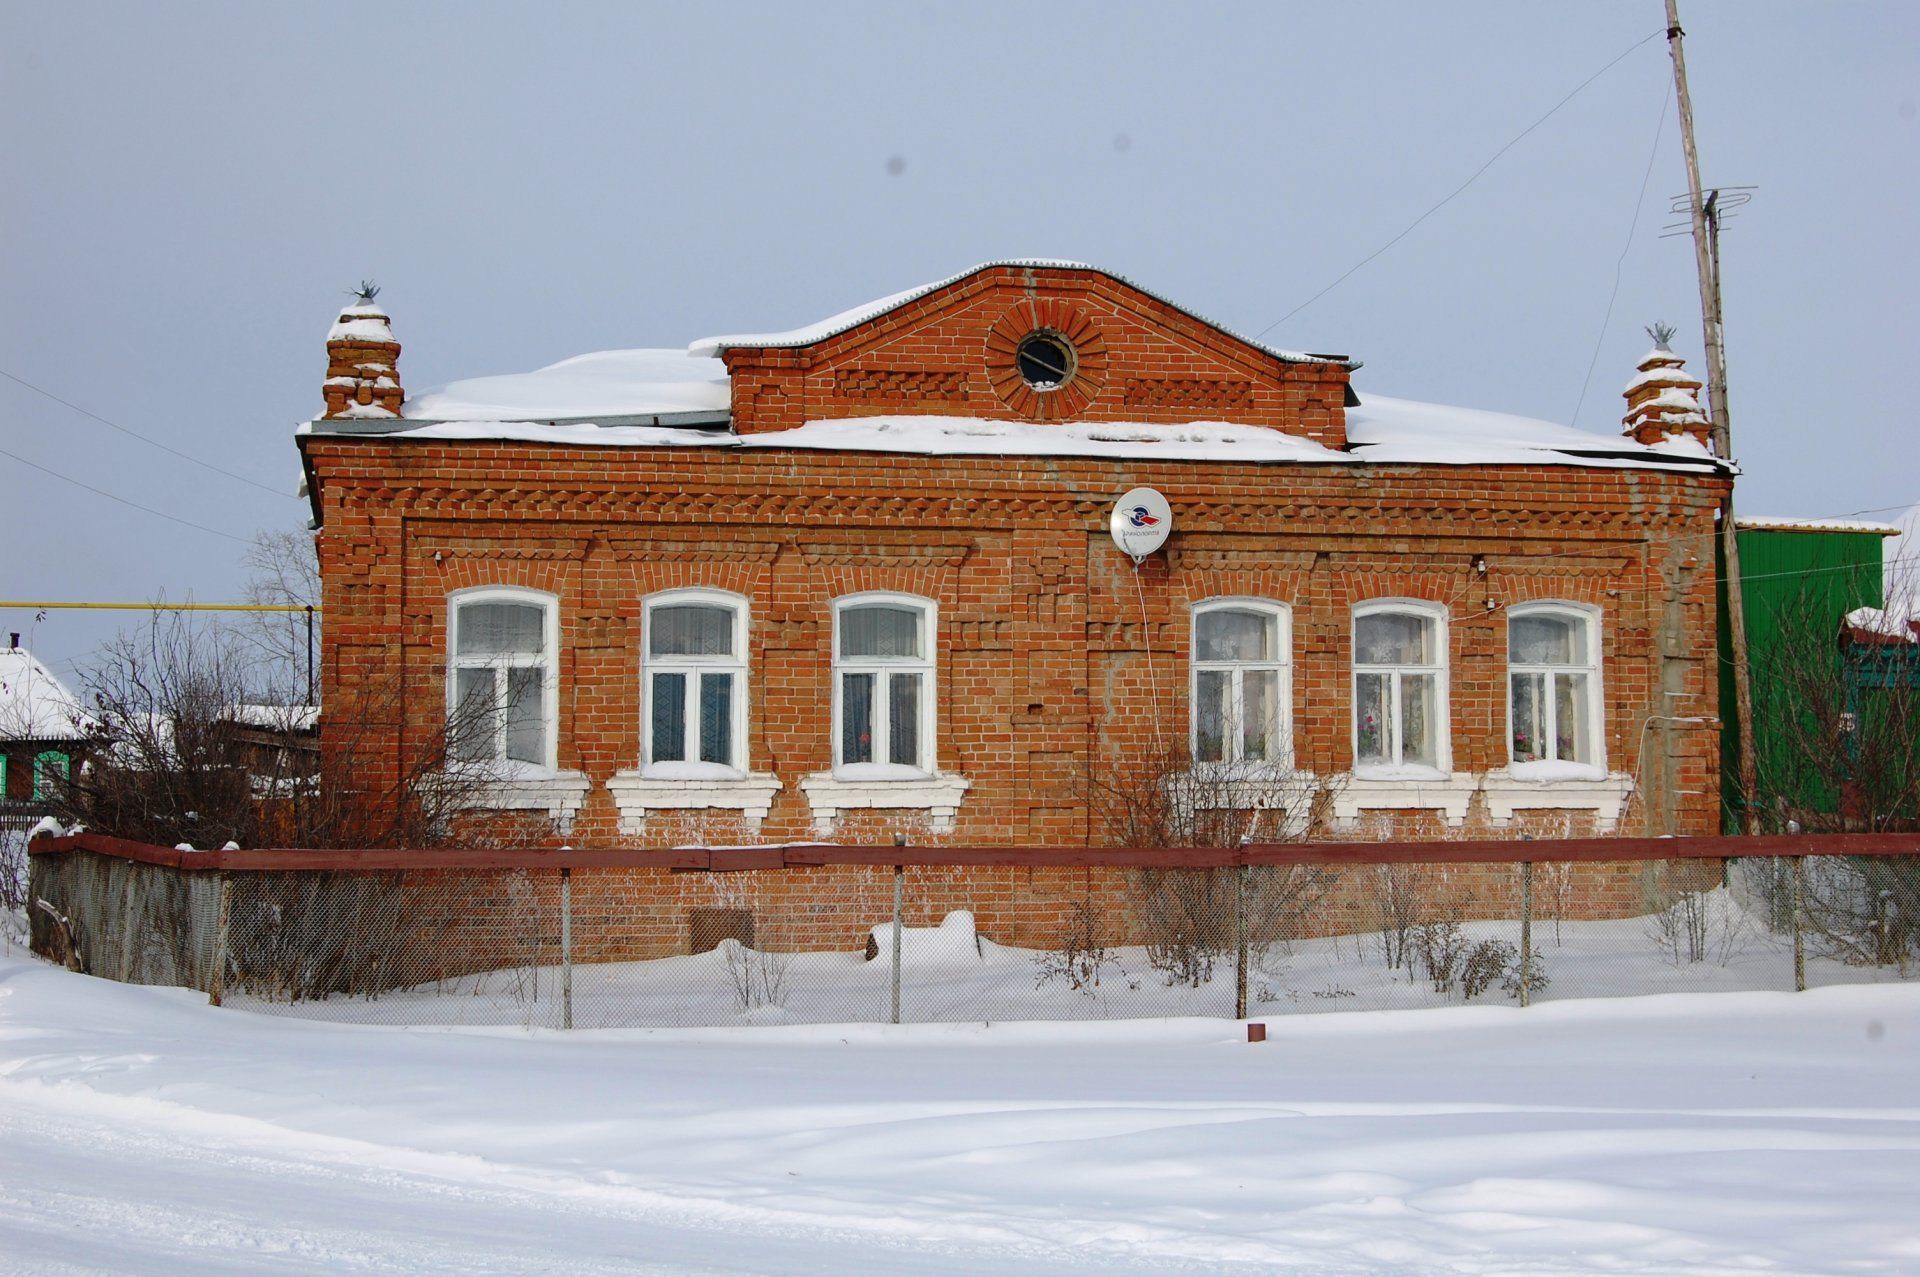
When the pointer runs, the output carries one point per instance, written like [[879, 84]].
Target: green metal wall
[[1828, 573]]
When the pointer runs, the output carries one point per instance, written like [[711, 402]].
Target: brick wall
[[1051, 648], [952, 353]]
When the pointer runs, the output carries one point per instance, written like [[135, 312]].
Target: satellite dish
[[1140, 523]]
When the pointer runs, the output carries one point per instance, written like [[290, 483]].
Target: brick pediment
[[956, 350]]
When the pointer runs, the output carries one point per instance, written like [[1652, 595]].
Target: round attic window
[[1045, 360]]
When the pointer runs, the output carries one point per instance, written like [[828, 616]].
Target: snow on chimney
[[363, 361], [1661, 399]]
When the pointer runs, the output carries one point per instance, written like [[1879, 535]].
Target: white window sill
[[667, 787], [859, 788], [522, 787], [1557, 786], [1403, 789]]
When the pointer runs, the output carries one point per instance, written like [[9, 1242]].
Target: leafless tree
[[283, 572], [188, 753], [1189, 918], [1839, 717]]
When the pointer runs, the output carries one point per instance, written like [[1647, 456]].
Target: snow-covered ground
[[142, 1131], [948, 974]]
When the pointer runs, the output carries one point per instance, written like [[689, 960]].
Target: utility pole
[[1706, 237]]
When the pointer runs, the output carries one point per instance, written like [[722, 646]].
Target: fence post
[[1526, 933], [223, 911], [1240, 944], [1799, 935], [566, 948], [899, 900]]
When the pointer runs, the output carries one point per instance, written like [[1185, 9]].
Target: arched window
[[1240, 691], [51, 768], [1400, 687], [883, 684], [1553, 684], [501, 676], [696, 675]]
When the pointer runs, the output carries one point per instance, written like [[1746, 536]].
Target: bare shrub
[[1691, 923], [1188, 919], [1081, 955], [758, 978]]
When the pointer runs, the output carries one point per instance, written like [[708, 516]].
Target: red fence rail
[[805, 855]]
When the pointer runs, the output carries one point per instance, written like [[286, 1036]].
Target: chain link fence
[[642, 946]]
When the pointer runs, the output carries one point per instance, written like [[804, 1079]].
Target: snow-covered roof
[[1787, 523], [34, 704], [279, 718], [975, 436], [1383, 429], [1380, 430], [1879, 625], [607, 383], [833, 325]]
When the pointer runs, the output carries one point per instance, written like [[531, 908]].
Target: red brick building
[[858, 579]]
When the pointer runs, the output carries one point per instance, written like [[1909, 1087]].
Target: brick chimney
[[1661, 399], [363, 361]]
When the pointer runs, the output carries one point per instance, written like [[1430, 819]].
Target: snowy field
[[1727, 1133]]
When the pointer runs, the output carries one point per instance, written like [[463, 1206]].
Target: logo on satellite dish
[[1140, 523]]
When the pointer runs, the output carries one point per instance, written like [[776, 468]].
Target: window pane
[[1529, 717], [499, 629], [1258, 714], [1210, 716], [716, 718], [1370, 717], [1546, 640], [1235, 635], [903, 719], [1419, 733], [691, 629], [1573, 743], [879, 630], [856, 718], [473, 715], [1393, 638], [526, 715], [669, 714]]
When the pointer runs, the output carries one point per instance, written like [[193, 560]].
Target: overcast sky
[[191, 188]]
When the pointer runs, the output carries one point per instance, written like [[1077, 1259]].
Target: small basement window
[[1045, 360]]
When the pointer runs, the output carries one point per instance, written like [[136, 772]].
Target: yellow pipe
[[162, 607]]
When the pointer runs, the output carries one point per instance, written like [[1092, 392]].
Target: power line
[[135, 434], [1633, 225], [1463, 186], [101, 492]]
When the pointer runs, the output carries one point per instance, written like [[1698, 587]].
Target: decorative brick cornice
[[901, 385], [872, 553], [1204, 558], [728, 551], [1211, 395]]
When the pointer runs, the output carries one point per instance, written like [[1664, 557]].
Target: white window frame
[[1589, 616], [691, 667], [1280, 743], [549, 685], [927, 664], [1441, 669]]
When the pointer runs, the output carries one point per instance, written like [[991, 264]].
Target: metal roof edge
[[718, 344]]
